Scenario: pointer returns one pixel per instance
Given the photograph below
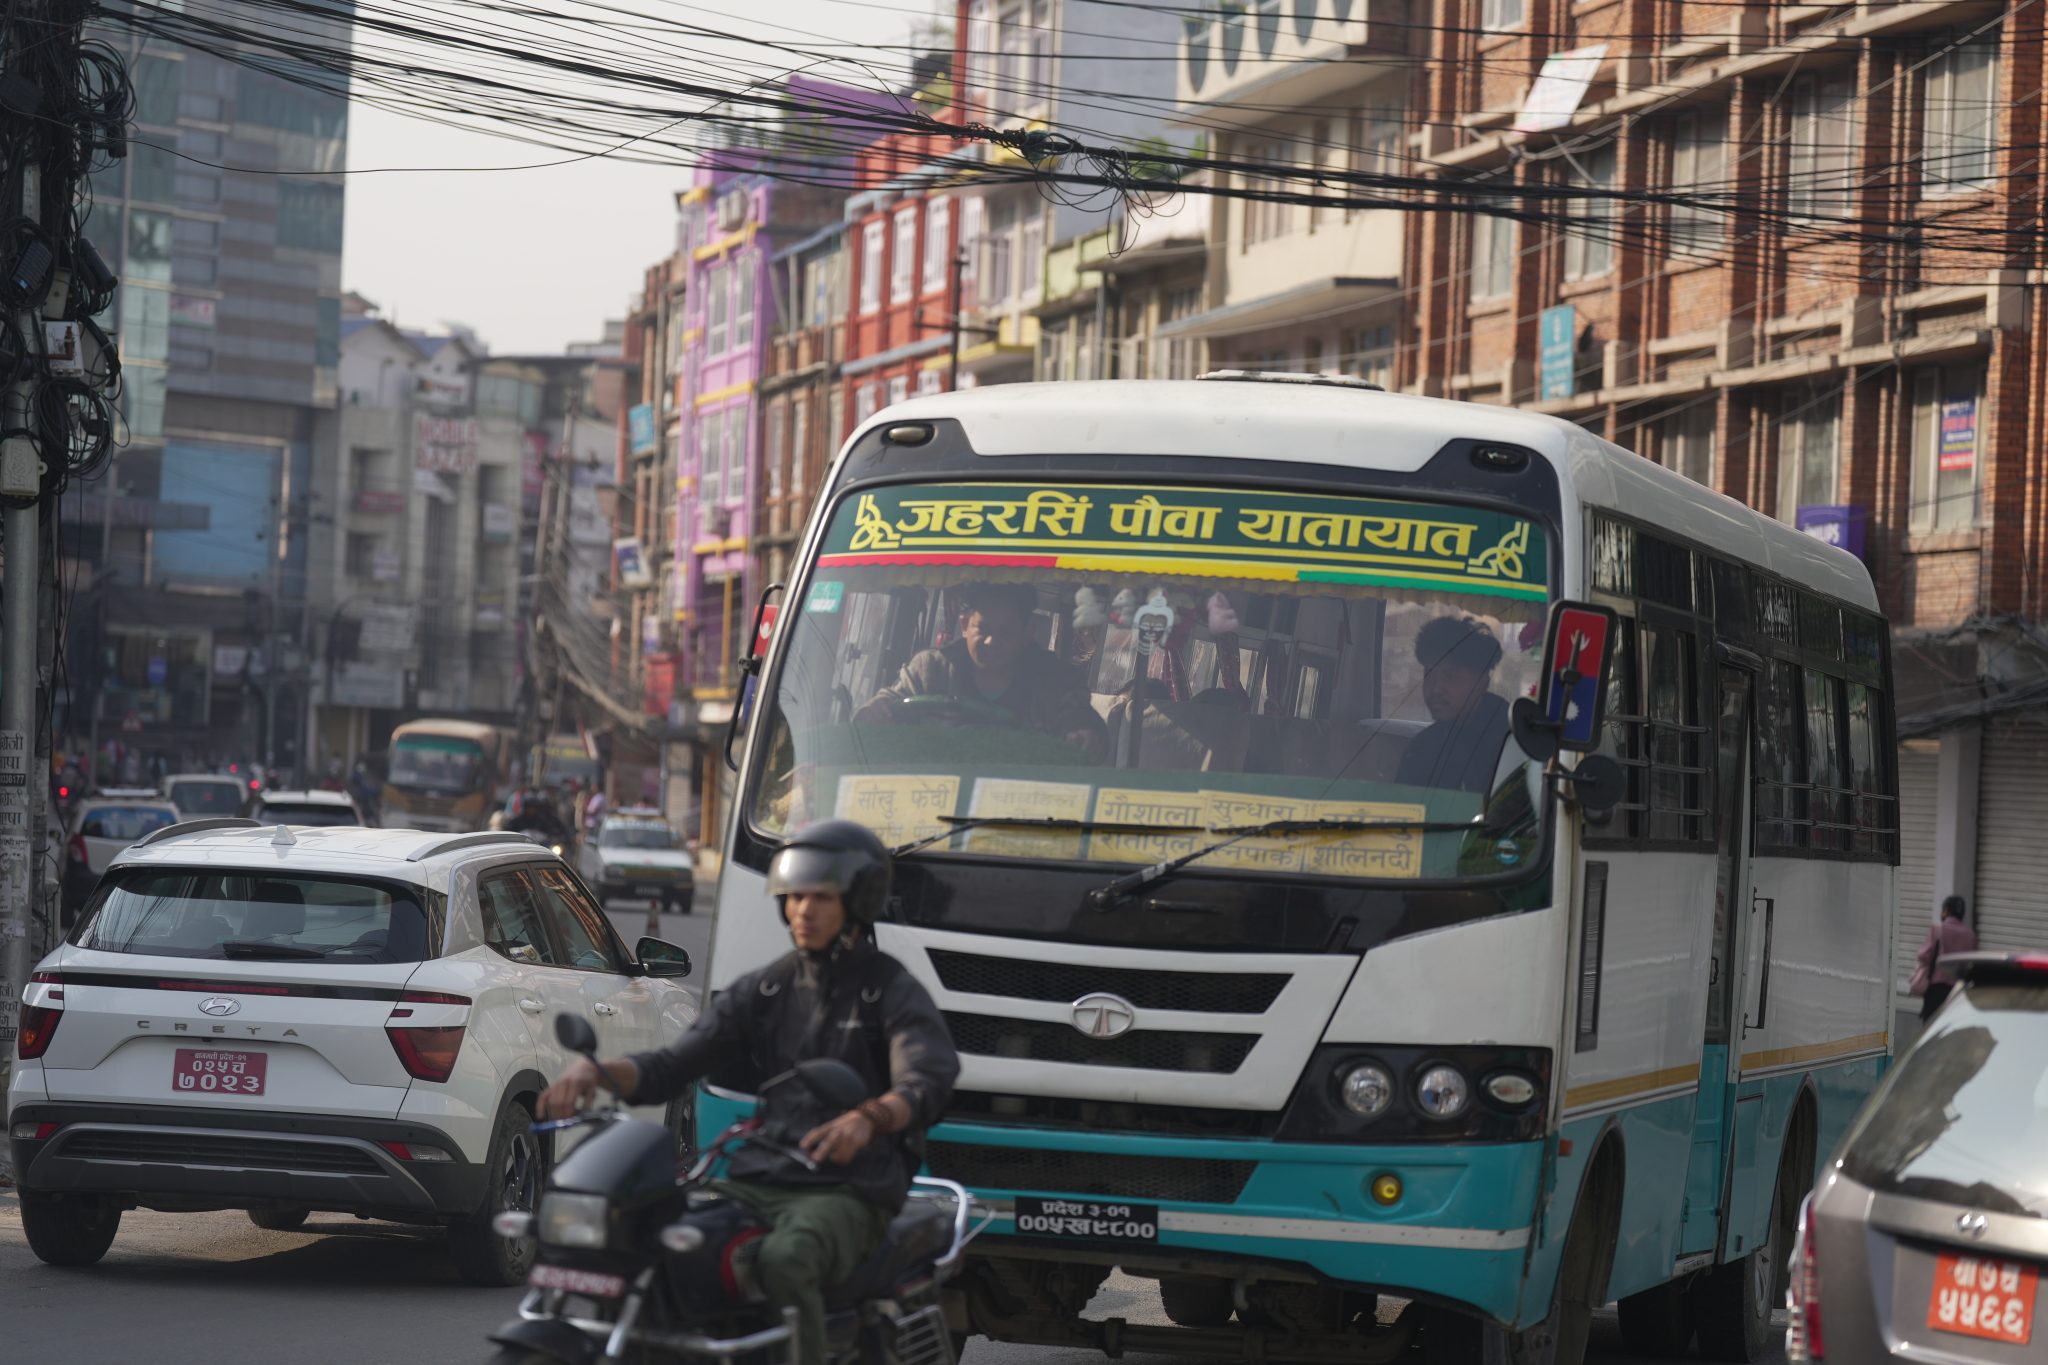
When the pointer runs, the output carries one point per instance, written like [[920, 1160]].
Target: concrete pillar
[[1955, 817]]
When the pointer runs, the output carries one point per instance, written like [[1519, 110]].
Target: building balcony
[[1272, 53]]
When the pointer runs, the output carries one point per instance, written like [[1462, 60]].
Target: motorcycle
[[637, 1261]]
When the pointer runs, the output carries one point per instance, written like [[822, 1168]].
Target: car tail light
[[415, 1151], [427, 1054], [38, 1023], [1804, 1340], [78, 853]]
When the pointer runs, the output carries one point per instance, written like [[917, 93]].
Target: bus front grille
[[1022, 979], [1037, 1040], [1192, 1180]]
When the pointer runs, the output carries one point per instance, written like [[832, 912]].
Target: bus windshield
[[440, 763], [1166, 658]]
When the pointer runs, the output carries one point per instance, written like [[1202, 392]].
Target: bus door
[[1715, 1113]]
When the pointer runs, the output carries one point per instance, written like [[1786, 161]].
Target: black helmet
[[835, 855]]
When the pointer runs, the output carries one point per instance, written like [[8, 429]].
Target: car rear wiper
[[1123, 888], [960, 824], [285, 951]]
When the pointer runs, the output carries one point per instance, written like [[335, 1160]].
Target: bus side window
[[1619, 739], [1779, 790], [1673, 735], [1828, 802], [1874, 817]]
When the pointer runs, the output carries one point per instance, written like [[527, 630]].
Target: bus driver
[[996, 661], [1460, 750]]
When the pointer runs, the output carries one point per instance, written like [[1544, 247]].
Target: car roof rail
[[184, 827], [462, 841]]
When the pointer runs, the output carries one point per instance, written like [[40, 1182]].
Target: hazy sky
[[531, 259]]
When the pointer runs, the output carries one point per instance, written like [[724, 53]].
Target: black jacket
[[854, 1003], [1458, 755]]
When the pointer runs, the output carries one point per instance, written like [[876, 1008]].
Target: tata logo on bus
[[1103, 1015]]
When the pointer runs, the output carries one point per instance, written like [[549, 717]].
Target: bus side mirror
[[1570, 706]]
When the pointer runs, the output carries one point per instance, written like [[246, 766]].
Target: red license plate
[[593, 1284], [218, 1071], [1983, 1296]]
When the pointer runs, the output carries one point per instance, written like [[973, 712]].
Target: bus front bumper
[[1458, 1231]]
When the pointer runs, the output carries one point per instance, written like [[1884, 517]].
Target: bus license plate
[[218, 1071], [1087, 1220], [1983, 1296]]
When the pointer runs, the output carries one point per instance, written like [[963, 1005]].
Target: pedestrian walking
[[1949, 934]]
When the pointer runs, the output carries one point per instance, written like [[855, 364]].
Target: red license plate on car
[[1983, 1296], [219, 1072], [594, 1284]]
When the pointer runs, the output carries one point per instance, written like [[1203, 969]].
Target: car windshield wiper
[[273, 950], [960, 824], [1123, 888]]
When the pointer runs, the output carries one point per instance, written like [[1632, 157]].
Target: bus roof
[[461, 729], [1314, 424]]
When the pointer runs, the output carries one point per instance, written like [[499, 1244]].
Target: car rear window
[[124, 822], [208, 798], [304, 813], [1964, 1117], [260, 916]]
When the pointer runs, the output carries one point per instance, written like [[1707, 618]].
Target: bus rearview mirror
[[1570, 706]]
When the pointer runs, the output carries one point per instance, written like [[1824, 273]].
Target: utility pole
[[953, 361], [54, 126]]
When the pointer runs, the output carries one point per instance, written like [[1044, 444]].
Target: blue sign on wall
[[1555, 328], [1839, 525], [640, 427]]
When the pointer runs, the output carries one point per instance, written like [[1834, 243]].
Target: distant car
[[199, 795], [1924, 1240], [304, 808], [639, 856], [101, 827]]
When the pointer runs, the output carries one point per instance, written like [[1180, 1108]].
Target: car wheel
[[514, 1172], [279, 1220], [73, 1229]]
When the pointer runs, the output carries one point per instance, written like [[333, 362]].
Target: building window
[[1369, 354], [1698, 163], [1052, 354], [1493, 255], [1809, 430], [1030, 255], [903, 260], [1589, 245], [899, 389], [1817, 180], [1495, 15], [871, 266], [997, 249], [1960, 119], [930, 381], [710, 467], [1948, 445], [778, 429], [981, 53], [361, 554], [1376, 147], [938, 226], [1263, 219], [717, 299], [799, 444], [743, 307], [1024, 61], [867, 401], [1685, 442], [970, 244], [736, 426]]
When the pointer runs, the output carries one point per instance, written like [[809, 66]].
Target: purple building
[[732, 221]]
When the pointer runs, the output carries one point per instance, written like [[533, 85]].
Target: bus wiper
[[960, 824], [282, 951], [1123, 888]]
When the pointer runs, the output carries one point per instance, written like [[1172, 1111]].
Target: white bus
[[1499, 1056]]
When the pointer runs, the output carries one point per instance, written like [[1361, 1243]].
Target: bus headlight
[[1442, 1092], [1367, 1090]]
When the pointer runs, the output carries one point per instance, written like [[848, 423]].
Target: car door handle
[[602, 1008], [533, 1006]]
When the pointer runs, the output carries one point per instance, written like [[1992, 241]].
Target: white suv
[[288, 1019]]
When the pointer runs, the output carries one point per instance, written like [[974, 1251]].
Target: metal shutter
[[1918, 773], [2012, 815]]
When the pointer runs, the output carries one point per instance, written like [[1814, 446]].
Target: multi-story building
[[802, 402], [224, 224], [415, 560], [1828, 310], [1288, 286]]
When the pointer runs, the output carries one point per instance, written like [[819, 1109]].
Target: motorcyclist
[[835, 995]]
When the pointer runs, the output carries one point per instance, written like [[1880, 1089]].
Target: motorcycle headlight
[[572, 1220]]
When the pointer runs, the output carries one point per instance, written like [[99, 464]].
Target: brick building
[[1840, 328]]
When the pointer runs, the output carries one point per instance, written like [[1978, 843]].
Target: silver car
[[1928, 1234]]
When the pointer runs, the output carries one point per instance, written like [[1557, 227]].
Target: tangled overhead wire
[[66, 104]]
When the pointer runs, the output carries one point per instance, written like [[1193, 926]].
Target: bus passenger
[[1459, 751], [996, 661]]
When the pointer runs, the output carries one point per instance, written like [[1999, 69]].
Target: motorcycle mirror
[[832, 1081], [574, 1032]]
